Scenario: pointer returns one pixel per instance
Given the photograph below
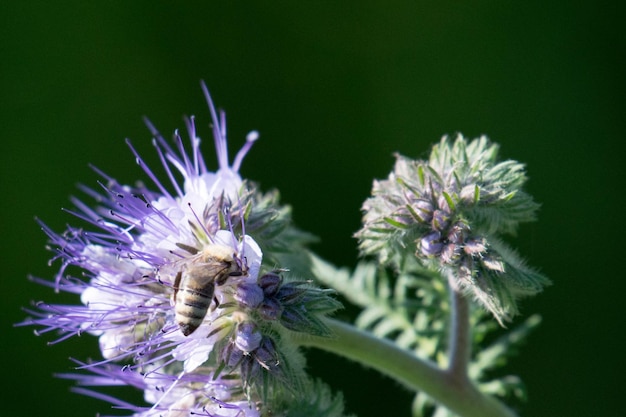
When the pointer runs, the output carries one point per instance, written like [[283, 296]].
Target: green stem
[[458, 395], [460, 344]]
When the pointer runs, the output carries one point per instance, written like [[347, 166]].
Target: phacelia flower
[[449, 212], [171, 282]]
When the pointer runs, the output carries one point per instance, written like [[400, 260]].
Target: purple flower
[[170, 283], [201, 393], [162, 275]]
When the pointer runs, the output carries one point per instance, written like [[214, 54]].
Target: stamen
[[171, 387], [226, 211], [198, 160], [188, 172], [117, 403], [147, 170], [204, 229], [250, 139], [170, 175], [219, 132], [157, 136]]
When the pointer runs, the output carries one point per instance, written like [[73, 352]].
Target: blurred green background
[[334, 88]]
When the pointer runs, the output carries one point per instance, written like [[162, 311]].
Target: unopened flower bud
[[232, 356], [441, 220], [270, 309], [450, 253], [474, 246], [248, 337], [270, 283], [431, 244], [442, 203], [250, 369], [294, 319], [291, 293], [249, 294], [457, 233], [266, 353], [423, 209], [470, 194]]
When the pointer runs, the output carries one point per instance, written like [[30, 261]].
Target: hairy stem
[[460, 342], [459, 395]]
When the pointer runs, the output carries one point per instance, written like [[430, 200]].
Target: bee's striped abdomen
[[192, 304]]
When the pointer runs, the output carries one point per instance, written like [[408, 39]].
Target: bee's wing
[[208, 272], [199, 267]]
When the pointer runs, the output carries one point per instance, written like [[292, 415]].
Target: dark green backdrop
[[334, 89]]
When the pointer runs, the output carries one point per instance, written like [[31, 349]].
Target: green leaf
[[449, 200], [396, 223], [316, 400]]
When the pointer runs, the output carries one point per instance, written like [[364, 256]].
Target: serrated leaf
[[370, 316], [388, 326], [495, 354]]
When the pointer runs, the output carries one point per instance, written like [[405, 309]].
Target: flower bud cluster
[[294, 305], [448, 212], [260, 313]]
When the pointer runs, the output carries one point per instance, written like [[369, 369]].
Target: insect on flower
[[195, 283], [170, 287]]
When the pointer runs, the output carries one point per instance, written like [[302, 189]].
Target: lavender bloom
[[170, 284]]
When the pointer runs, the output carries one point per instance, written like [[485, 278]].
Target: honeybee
[[195, 283]]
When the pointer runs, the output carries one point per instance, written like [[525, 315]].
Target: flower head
[[171, 283], [449, 212]]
